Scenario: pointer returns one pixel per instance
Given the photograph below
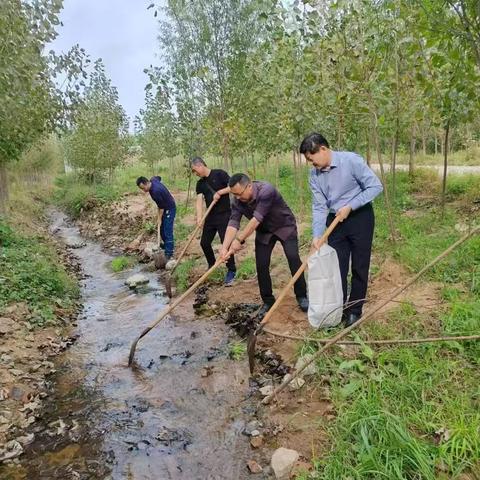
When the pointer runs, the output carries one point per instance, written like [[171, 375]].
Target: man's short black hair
[[142, 181], [240, 178], [312, 143], [197, 161]]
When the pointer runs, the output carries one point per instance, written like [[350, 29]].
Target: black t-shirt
[[217, 180]]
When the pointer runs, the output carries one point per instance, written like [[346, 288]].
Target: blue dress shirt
[[348, 181]]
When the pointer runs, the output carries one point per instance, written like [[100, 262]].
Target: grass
[[31, 273], [182, 274], [121, 263], [237, 350], [247, 269]]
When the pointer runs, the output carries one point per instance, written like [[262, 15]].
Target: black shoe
[[262, 311], [303, 303], [351, 318]]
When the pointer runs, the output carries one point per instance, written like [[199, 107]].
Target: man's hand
[[199, 222], [216, 197], [344, 212], [224, 253], [316, 243], [236, 246]]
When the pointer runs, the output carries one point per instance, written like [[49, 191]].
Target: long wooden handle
[[181, 298], [302, 268], [369, 314], [192, 236]]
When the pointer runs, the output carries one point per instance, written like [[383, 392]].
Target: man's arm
[[368, 181], [219, 193], [199, 208], [238, 242], [319, 211]]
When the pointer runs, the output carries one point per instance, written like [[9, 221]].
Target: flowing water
[[160, 420]]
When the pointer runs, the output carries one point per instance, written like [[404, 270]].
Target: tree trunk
[[445, 163], [368, 153], [385, 187], [254, 166], [436, 144], [412, 151], [3, 188]]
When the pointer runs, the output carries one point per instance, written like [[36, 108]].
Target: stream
[[177, 415]]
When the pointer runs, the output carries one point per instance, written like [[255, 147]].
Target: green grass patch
[[246, 269], [31, 273], [237, 350], [121, 263], [182, 274]]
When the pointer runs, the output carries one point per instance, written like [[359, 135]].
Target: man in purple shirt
[[166, 210], [273, 221], [343, 185]]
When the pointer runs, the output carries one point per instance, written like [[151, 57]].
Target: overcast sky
[[121, 32]]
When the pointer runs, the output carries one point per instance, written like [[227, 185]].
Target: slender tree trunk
[[385, 186], [3, 188], [445, 163], [254, 166], [436, 144], [369, 153], [276, 170], [412, 151], [394, 153]]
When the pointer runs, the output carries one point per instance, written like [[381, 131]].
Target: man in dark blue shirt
[[166, 209]]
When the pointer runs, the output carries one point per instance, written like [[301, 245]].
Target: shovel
[[168, 283], [172, 306], [252, 339]]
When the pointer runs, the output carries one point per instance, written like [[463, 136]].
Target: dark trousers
[[353, 239], [263, 255], [166, 230], [215, 225]]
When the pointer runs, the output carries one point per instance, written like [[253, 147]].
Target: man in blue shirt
[[343, 186], [166, 209]]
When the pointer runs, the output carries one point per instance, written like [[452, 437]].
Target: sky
[[121, 32]]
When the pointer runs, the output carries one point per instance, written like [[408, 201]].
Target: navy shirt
[[160, 194], [270, 209], [207, 186]]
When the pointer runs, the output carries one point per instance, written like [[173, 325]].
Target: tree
[[98, 141], [31, 104]]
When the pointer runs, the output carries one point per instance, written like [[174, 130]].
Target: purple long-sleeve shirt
[[270, 209]]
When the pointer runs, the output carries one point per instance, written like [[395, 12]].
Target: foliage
[[98, 142], [237, 350], [121, 263], [31, 273], [182, 274], [246, 269]]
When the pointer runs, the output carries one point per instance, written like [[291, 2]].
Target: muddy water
[[161, 420]]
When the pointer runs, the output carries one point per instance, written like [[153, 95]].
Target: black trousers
[[218, 224], [263, 255], [352, 239]]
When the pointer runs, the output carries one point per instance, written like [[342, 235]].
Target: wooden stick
[[171, 307], [394, 341], [192, 236], [290, 284], [369, 314]]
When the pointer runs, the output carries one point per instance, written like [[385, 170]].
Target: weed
[[182, 274], [237, 350], [121, 263], [247, 269]]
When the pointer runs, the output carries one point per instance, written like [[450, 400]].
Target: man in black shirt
[[213, 184]]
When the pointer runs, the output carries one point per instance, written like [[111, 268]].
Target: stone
[[7, 326], [283, 460], [256, 442], [150, 249], [12, 449], [294, 385], [254, 467], [136, 280], [251, 426], [170, 264], [311, 369], [266, 390], [72, 242], [255, 433]]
